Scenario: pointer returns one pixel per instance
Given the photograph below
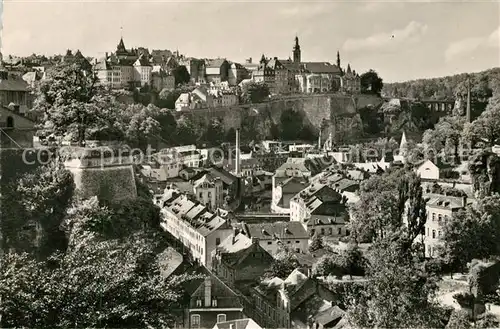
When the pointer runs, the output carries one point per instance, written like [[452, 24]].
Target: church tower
[[296, 51]]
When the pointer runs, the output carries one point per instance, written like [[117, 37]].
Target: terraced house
[[197, 228]]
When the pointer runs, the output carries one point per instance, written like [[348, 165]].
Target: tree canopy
[[371, 83]]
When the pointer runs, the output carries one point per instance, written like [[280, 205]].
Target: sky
[[401, 40]]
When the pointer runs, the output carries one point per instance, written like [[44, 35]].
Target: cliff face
[[334, 110]]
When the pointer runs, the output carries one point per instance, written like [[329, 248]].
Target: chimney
[[208, 292], [464, 201], [468, 100], [235, 233], [237, 165], [106, 56]]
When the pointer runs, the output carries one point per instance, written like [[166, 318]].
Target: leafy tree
[[215, 132], [446, 132], [488, 320], [187, 132], [284, 264], [353, 260], [328, 265], [484, 168], [181, 75], [459, 319], [316, 243], [255, 92], [70, 102], [167, 98], [398, 285], [473, 233], [44, 196], [487, 126], [371, 83]]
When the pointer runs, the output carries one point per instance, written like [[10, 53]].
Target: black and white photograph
[[219, 164]]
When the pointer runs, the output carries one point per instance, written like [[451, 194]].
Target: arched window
[[10, 122]]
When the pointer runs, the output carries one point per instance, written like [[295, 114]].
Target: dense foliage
[[371, 83], [95, 265], [482, 85]]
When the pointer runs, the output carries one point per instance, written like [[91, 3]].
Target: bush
[[449, 173]]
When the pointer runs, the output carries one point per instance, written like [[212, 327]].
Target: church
[[294, 75]]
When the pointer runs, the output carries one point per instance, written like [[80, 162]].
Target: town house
[[198, 229]]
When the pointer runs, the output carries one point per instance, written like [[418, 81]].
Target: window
[[439, 234], [201, 195], [340, 230], [433, 217], [209, 195], [214, 302], [440, 218], [288, 242], [221, 318], [195, 321], [297, 241], [269, 242], [217, 241], [10, 122], [330, 231], [198, 303], [297, 250], [322, 231], [433, 234]]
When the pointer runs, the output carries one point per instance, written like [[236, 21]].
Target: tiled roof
[[195, 214], [293, 185], [213, 63], [142, 61], [226, 176], [238, 324], [169, 260], [279, 230], [443, 201], [320, 67], [13, 84], [207, 178], [235, 243]]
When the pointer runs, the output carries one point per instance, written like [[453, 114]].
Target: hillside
[[482, 85]]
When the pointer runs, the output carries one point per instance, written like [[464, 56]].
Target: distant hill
[[482, 86]]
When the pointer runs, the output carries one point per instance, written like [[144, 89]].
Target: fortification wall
[[114, 183], [314, 108]]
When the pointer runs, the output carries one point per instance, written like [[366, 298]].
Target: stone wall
[[314, 109], [112, 183]]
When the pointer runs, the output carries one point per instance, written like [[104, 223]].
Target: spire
[[404, 143], [338, 59], [121, 46], [348, 68], [296, 51], [263, 59]]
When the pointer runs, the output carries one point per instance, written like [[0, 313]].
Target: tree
[[353, 261], [186, 132], [488, 320], [255, 92], [487, 126], [371, 83], [316, 243], [70, 101], [167, 98], [230, 135], [328, 265], [181, 75], [472, 233], [448, 131], [109, 271], [44, 195], [215, 132], [459, 319], [397, 287], [484, 168], [284, 263]]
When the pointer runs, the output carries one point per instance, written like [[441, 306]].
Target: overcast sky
[[400, 39]]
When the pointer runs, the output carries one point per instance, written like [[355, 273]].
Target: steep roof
[[215, 63], [238, 324], [142, 61], [276, 230], [13, 84], [321, 67]]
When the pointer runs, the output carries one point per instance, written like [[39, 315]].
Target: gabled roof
[[276, 230], [238, 324], [142, 61], [215, 63], [321, 67], [13, 84], [293, 185]]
